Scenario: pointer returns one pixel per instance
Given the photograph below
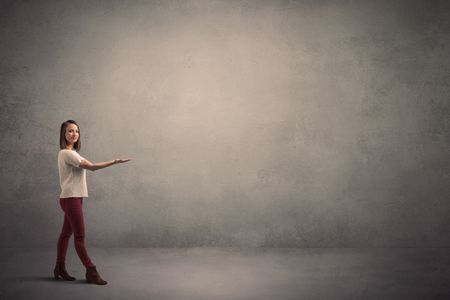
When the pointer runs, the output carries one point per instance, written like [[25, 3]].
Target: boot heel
[[60, 271]]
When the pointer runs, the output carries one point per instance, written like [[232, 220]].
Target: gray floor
[[229, 273]]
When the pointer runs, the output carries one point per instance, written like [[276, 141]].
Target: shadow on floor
[[46, 279]]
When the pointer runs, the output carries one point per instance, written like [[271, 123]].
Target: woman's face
[[72, 134]]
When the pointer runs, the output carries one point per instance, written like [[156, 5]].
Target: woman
[[72, 177]]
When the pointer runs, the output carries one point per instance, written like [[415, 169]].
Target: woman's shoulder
[[69, 155], [64, 151], [67, 152]]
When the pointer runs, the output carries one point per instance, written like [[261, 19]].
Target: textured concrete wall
[[251, 123]]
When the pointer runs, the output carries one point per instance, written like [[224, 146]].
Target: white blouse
[[71, 178]]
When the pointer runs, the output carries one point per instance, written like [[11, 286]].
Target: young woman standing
[[72, 177]]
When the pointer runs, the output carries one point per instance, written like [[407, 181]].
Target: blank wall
[[250, 123]]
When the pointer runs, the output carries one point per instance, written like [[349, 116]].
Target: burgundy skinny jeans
[[73, 223]]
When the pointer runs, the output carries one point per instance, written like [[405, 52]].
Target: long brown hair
[[62, 136]]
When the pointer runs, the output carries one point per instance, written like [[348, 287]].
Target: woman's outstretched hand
[[121, 161]]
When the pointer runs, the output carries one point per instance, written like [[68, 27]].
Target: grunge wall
[[250, 123]]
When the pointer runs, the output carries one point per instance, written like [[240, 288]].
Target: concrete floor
[[229, 273]]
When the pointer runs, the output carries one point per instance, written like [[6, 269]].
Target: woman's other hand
[[121, 161]]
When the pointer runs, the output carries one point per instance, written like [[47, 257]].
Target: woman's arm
[[85, 164]]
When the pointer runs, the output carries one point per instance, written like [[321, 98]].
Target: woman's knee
[[65, 235], [79, 236]]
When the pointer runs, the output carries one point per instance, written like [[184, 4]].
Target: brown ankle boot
[[60, 270], [92, 276]]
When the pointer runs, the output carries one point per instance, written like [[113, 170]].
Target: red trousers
[[73, 223]]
